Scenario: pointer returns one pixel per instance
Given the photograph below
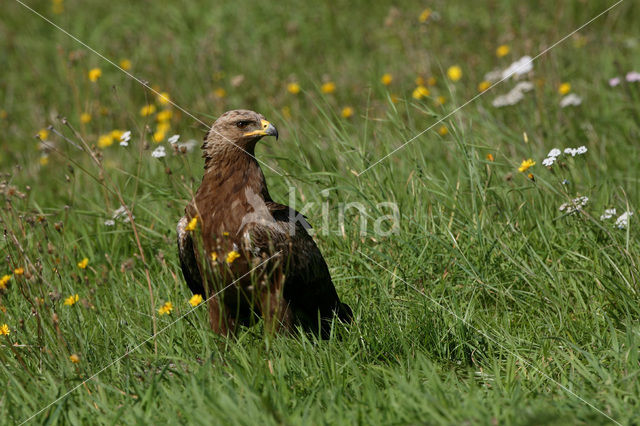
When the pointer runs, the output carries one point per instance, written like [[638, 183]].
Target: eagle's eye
[[242, 124]]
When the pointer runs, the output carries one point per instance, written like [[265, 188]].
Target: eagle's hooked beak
[[268, 129]]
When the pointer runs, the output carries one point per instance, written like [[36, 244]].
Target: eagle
[[248, 255]]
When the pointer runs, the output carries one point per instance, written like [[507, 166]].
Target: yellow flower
[[3, 114], [293, 88], [147, 110], [219, 93], [420, 92], [3, 281], [116, 134], [83, 263], [43, 134], [424, 15], [226, 234], [386, 79], [524, 166], [191, 226], [419, 81], [502, 50], [158, 136], [94, 74], [18, 271], [105, 140], [484, 85], [125, 64], [71, 300], [163, 127], [564, 88], [164, 115], [530, 176], [490, 157], [431, 81], [394, 98], [163, 98], [4, 330], [442, 130], [85, 117], [195, 300], [440, 100], [74, 358], [454, 73], [44, 160], [214, 256], [166, 308], [231, 256], [328, 87], [346, 112], [57, 6], [286, 112]]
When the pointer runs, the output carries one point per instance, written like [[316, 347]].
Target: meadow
[[508, 294]]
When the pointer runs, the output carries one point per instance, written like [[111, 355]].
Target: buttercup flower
[[484, 85], [71, 300], [43, 134], [442, 130], [386, 79], [164, 115], [490, 157], [502, 50], [219, 92], [163, 98], [293, 88], [525, 165], [232, 256], [158, 136], [3, 281], [328, 87], [147, 110], [424, 15], [420, 92], [564, 88], [94, 74], [105, 140], [214, 256], [454, 73], [195, 300], [125, 64], [18, 271], [193, 223], [83, 263], [74, 358], [85, 117], [4, 330], [166, 308], [346, 112]]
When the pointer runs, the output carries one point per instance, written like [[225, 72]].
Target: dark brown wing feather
[[308, 286], [188, 260]]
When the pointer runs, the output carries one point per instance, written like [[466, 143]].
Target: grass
[[489, 305]]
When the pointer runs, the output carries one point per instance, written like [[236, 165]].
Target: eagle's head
[[239, 128]]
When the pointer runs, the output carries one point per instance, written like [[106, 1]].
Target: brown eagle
[[253, 255]]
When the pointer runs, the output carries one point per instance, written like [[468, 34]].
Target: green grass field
[[489, 305]]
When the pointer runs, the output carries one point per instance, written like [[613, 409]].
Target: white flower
[[548, 162], [173, 139], [124, 143], [574, 205], [514, 96], [188, 145], [608, 214], [554, 153], [575, 151], [522, 66], [126, 136], [120, 213], [109, 222], [493, 76], [159, 152], [570, 100], [613, 82], [623, 220]]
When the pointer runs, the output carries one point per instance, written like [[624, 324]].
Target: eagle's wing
[[188, 260], [308, 284]]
